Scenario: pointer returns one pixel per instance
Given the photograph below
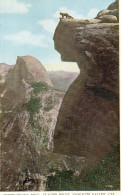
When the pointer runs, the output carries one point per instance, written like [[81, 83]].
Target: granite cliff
[[29, 107], [4, 68], [88, 121]]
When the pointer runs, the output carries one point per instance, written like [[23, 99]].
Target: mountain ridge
[[29, 107]]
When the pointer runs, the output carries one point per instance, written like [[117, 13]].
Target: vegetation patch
[[63, 180], [40, 86], [33, 105], [104, 176]]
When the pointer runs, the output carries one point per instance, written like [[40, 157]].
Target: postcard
[[59, 97]]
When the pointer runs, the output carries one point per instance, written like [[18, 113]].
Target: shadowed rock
[[88, 121]]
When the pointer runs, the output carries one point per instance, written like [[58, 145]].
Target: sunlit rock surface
[[29, 107]]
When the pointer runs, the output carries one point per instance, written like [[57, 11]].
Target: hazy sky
[[27, 27]]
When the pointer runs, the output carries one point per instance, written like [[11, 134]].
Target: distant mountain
[[4, 68], [61, 79], [29, 107]]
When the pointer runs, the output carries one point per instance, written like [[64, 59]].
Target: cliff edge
[[88, 121]]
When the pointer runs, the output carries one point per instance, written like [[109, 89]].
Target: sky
[[27, 28]]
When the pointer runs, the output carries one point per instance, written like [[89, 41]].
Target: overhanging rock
[[88, 121]]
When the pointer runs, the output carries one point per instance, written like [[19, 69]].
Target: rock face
[[88, 121], [114, 5], [61, 80], [29, 107], [36, 71], [27, 69], [111, 14], [28, 113], [4, 68]]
